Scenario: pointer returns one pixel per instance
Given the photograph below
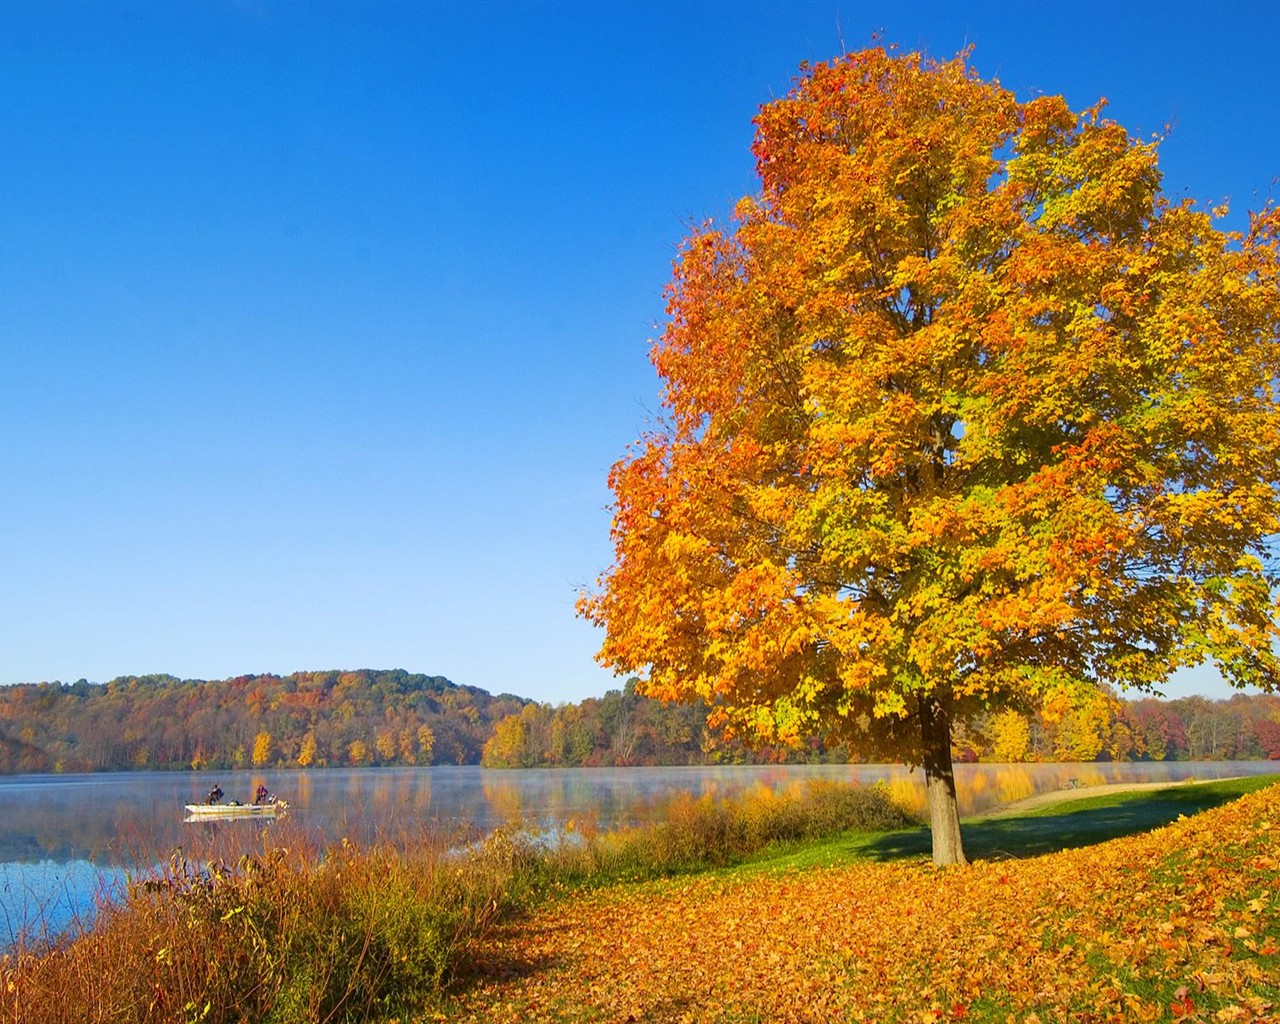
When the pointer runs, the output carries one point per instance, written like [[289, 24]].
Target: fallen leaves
[[1132, 930]]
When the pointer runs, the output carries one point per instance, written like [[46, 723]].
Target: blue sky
[[320, 325]]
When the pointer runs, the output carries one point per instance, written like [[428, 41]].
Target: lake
[[66, 840]]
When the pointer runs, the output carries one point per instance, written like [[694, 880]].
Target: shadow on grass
[[1067, 826]]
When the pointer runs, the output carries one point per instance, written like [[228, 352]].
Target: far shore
[[1059, 796]]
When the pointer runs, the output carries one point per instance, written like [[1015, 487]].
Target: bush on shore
[[695, 832], [297, 933]]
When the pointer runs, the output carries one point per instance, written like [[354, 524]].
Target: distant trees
[[307, 719], [331, 719], [617, 729], [622, 728], [1187, 729], [626, 728], [1009, 737]]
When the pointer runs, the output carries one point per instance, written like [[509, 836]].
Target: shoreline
[[1086, 792]]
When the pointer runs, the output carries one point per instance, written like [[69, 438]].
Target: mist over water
[[68, 841]]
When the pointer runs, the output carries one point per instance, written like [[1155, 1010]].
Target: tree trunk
[[940, 782]]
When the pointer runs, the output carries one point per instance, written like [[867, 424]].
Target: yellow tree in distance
[[961, 414], [261, 748]]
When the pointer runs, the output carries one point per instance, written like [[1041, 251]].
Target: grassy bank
[[293, 933], [813, 905], [1178, 923], [1074, 821]]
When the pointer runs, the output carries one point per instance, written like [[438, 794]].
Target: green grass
[[354, 934], [1073, 938], [1064, 825]]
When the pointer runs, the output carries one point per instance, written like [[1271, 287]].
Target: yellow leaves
[[1140, 1009], [1092, 934], [940, 414], [1010, 737], [890, 704]]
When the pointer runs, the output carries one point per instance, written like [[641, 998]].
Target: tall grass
[[696, 832], [295, 933]]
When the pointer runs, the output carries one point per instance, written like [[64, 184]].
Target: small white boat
[[209, 812]]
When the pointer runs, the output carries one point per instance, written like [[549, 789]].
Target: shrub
[[296, 933], [695, 832]]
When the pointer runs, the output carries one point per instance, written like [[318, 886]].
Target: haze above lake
[[64, 837]]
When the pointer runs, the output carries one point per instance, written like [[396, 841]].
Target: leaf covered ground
[[1178, 924]]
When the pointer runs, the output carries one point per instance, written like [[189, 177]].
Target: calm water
[[67, 840]]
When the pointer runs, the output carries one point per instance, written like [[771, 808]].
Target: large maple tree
[[962, 413]]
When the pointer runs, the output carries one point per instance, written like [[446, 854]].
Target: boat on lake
[[219, 812]]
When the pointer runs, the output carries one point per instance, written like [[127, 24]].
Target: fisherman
[[262, 796], [215, 794]]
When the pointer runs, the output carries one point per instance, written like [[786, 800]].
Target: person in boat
[[262, 796], [215, 794]]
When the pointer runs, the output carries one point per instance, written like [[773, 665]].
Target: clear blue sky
[[320, 325]]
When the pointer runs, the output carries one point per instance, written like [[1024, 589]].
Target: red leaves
[[1182, 1006]]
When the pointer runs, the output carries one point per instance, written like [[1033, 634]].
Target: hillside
[[368, 717], [318, 719]]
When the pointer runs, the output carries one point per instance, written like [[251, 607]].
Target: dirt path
[[1084, 793]]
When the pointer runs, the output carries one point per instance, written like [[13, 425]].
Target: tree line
[[626, 728], [395, 718], [307, 719]]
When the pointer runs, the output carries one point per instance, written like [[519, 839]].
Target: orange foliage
[[964, 414], [1182, 922], [308, 718]]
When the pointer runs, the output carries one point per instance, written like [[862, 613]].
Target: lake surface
[[68, 840]]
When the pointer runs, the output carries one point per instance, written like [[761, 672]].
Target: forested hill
[[340, 719], [304, 719]]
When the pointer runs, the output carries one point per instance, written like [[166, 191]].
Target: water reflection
[[62, 835]]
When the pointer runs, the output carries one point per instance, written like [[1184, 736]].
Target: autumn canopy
[[962, 414]]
